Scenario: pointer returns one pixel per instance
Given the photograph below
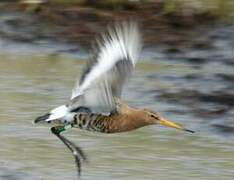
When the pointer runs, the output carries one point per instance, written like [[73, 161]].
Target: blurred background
[[186, 72]]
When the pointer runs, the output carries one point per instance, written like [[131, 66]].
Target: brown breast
[[126, 119]]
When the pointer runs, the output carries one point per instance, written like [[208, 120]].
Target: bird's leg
[[76, 151]]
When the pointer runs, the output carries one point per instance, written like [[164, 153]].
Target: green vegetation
[[208, 8], [66, 2]]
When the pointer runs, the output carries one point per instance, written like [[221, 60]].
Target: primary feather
[[122, 43], [104, 76]]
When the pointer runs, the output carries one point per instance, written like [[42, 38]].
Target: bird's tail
[[56, 114], [42, 118]]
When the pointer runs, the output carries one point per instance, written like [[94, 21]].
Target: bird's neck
[[128, 118]]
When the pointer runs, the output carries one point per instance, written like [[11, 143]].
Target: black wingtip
[[188, 130], [42, 118]]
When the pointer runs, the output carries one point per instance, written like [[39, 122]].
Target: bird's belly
[[92, 122]]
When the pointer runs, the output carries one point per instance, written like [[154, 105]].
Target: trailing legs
[[76, 151]]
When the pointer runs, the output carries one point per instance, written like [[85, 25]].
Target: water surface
[[194, 94]]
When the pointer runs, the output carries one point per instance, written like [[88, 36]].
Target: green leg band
[[60, 129]]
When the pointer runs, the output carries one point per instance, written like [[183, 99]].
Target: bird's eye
[[152, 115]]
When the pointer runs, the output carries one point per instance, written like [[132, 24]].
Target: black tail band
[[42, 118]]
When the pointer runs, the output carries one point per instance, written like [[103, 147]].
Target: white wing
[[104, 76]]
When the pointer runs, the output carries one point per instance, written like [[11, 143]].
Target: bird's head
[[155, 118]]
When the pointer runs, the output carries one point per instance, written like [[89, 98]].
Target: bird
[[96, 104]]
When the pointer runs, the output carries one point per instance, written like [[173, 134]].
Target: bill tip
[[188, 130]]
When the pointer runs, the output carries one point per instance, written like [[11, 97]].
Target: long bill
[[171, 124]]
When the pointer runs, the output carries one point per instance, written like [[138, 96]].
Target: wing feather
[[104, 76]]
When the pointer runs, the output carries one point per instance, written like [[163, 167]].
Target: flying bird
[[95, 103]]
